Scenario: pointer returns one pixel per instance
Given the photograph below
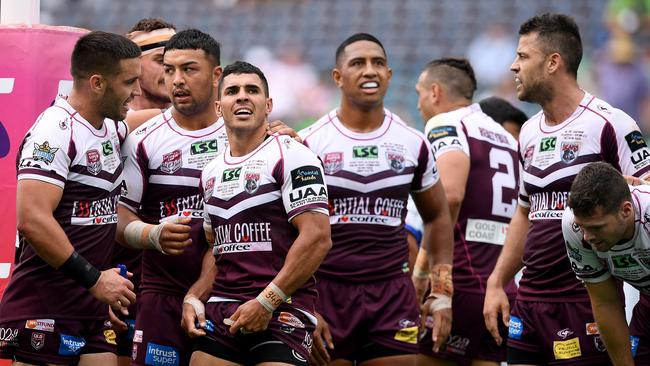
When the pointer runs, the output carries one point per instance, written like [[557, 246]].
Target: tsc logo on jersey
[[93, 162], [569, 151], [365, 152], [231, 174], [209, 187], [171, 162], [305, 175], [204, 147], [395, 161], [441, 132], [547, 144], [635, 140], [107, 148], [624, 261], [333, 162], [44, 152], [252, 182]]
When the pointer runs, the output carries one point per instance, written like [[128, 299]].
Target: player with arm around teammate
[[266, 213], [606, 234], [68, 187]]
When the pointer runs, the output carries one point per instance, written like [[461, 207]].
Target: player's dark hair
[[356, 38], [151, 24], [242, 67], [501, 111], [598, 184], [194, 39], [100, 53], [557, 33], [456, 74]]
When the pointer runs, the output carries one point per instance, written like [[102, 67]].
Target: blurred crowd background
[[294, 41]]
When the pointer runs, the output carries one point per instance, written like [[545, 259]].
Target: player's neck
[[196, 121], [243, 142], [86, 108], [141, 102], [361, 120], [562, 104]]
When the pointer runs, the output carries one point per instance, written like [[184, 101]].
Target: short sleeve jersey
[[369, 178], [65, 150], [490, 193], [550, 158], [629, 261], [250, 202], [162, 172]]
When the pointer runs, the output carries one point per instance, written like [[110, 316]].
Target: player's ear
[[217, 75], [553, 62], [336, 76], [217, 107], [97, 83], [269, 105], [626, 209]]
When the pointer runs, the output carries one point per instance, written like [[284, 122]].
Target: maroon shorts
[[358, 314], [469, 338], [54, 340], [640, 331], [159, 338], [558, 333], [288, 326]]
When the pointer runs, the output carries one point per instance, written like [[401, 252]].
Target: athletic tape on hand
[[198, 306], [154, 236], [440, 302]]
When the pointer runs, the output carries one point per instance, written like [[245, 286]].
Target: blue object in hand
[[123, 270]]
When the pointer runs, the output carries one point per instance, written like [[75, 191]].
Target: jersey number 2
[[502, 180]]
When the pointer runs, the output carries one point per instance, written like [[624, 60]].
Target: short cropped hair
[[242, 67], [100, 53], [456, 74], [194, 39], [598, 184], [501, 111], [557, 33], [150, 24], [356, 38]]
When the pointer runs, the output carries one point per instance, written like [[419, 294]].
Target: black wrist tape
[[78, 268]]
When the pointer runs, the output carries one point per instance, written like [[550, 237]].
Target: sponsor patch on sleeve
[[305, 175], [441, 132], [635, 140]]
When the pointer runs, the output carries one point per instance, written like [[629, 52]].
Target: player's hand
[[441, 323], [421, 286], [496, 303], [634, 181], [175, 236], [322, 340], [189, 320], [282, 129], [116, 323], [250, 317], [114, 290]]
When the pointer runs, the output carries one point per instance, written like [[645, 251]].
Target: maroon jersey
[[65, 150], [490, 194]]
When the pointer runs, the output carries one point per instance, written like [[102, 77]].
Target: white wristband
[[133, 234], [154, 237], [441, 302], [198, 306]]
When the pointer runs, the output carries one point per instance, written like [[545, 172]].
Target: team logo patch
[[110, 336], [70, 345], [528, 156], [563, 350], [365, 152], [305, 175], [44, 152], [563, 333], [291, 320], [134, 351], [635, 140], [93, 162], [38, 340], [46, 325], [591, 328], [441, 132], [333, 162], [252, 182], [395, 161], [209, 188], [137, 336], [569, 151], [107, 148], [171, 162], [63, 124], [547, 144]]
